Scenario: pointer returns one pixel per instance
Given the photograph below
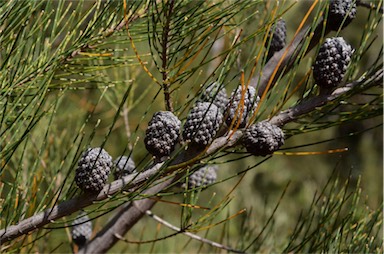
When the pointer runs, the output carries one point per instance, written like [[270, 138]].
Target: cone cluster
[[203, 122]]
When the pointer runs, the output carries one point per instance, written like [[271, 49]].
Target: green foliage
[[337, 222]]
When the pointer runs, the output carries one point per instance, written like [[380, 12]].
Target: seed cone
[[332, 61], [216, 95], [263, 138], [82, 229], [202, 123], [162, 134], [279, 35], [202, 177], [237, 110], [123, 166], [341, 11], [93, 170]]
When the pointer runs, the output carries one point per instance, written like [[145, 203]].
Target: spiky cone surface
[[332, 62], [217, 95], [278, 33], [123, 166], [234, 107], [201, 177], [263, 138], [202, 123], [341, 11], [162, 134], [93, 169], [82, 229]]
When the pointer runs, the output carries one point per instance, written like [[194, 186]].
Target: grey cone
[[123, 166], [93, 169], [263, 138], [202, 177], [217, 95], [202, 123], [82, 229], [162, 134], [236, 111], [341, 13], [279, 35], [332, 61]]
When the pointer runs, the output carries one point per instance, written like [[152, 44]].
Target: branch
[[67, 207], [124, 220], [131, 213], [284, 117], [132, 181], [311, 104]]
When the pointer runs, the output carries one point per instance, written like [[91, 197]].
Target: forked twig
[[193, 236]]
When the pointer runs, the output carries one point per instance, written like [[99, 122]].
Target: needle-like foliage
[[81, 74]]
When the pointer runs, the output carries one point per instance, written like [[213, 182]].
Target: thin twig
[[193, 236], [69, 56], [126, 124]]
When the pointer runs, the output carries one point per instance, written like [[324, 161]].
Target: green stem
[[165, 35]]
